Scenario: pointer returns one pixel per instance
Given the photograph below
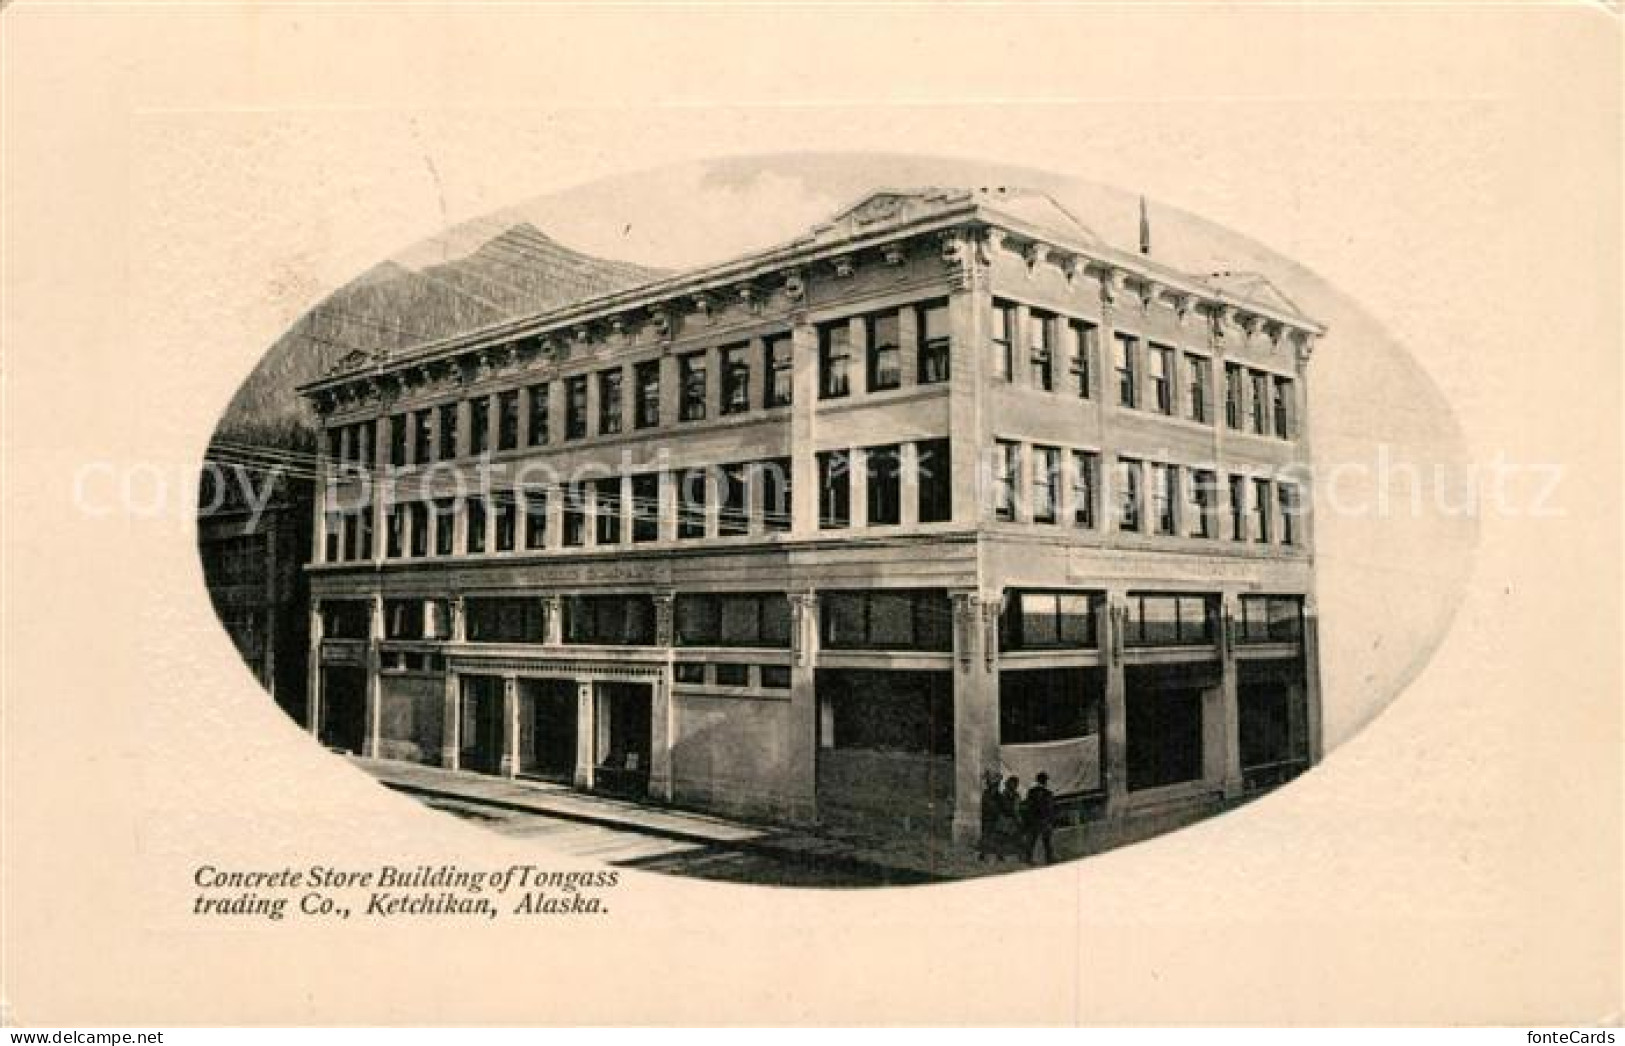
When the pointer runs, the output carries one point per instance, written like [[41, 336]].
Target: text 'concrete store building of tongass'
[[945, 487]]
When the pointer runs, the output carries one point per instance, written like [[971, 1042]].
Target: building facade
[[947, 486]]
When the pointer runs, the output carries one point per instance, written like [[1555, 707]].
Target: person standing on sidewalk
[[1039, 811]]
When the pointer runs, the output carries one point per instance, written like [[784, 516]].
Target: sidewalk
[[905, 860]]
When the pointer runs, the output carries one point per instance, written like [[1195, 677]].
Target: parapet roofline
[[952, 209]]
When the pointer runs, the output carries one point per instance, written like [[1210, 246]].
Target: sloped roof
[[1253, 286], [893, 207]]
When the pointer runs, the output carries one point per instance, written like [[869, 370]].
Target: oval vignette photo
[[836, 520]]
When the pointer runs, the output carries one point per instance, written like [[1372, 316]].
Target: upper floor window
[[394, 528], [423, 436], [933, 470], [780, 374], [1283, 407], [416, 619], [479, 425], [1040, 350], [1168, 620], [1261, 511], [535, 519], [474, 523], [1125, 357], [1164, 496], [609, 402], [646, 507], [1046, 484], [1199, 376], [735, 361], [1006, 475], [692, 380], [1233, 378], [1128, 494], [1202, 497], [1162, 379], [887, 620], [647, 376], [507, 522], [834, 490], [575, 407], [1083, 338], [935, 342], [1047, 620], [834, 360], [539, 414], [1260, 400], [346, 619], [691, 484], [609, 620], [397, 439], [573, 515], [503, 620], [418, 514], [607, 510], [1085, 478], [883, 467], [1238, 508], [774, 477], [508, 420], [1004, 340], [733, 501], [885, 353], [1290, 507], [445, 526], [756, 619]]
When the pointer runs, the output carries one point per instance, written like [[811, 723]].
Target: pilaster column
[[1021, 349], [713, 383], [1229, 710], [858, 373], [593, 404], [1311, 679], [804, 428], [458, 612], [908, 468], [970, 439], [668, 505], [371, 744], [586, 735], [554, 508], [671, 387], [713, 501], [510, 727], [660, 736], [976, 706], [801, 774], [858, 475], [1115, 729], [465, 428], [313, 673], [553, 619], [908, 345], [526, 394], [451, 723]]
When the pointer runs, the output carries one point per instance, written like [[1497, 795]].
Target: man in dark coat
[[1040, 819]]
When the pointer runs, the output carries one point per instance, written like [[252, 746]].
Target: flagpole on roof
[[1145, 229]]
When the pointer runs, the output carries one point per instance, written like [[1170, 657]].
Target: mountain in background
[[392, 306]]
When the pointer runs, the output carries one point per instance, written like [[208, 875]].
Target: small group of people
[[1013, 825]]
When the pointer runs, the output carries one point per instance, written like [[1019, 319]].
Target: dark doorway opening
[[1272, 722], [344, 708], [624, 726], [1164, 720], [547, 728], [481, 724]]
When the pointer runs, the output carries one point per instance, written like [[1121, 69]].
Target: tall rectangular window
[[1261, 400], [1283, 408], [474, 516], [1198, 379], [774, 477], [1006, 475], [691, 503], [445, 524], [575, 407], [1041, 350], [1046, 484], [1128, 494], [536, 519], [574, 514], [1233, 378], [1201, 504], [508, 419], [885, 352], [1287, 493], [834, 490], [834, 360], [1085, 473], [539, 412], [1125, 357], [1164, 495], [780, 373], [417, 513], [607, 509], [1262, 500], [397, 439], [394, 526], [735, 363], [448, 431], [646, 507], [933, 470], [1003, 345], [609, 402], [1162, 379], [935, 342], [648, 393], [507, 521], [479, 424], [1083, 337], [422, 436], [1238, 508], [883, 467], [692, 382], [733, 503]]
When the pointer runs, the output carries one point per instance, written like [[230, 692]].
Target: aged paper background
[[182, 182]]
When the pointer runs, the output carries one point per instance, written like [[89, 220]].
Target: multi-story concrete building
[[945, 486]]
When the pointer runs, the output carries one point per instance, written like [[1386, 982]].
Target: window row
[[871, 347], [722, 673], [880, 475]]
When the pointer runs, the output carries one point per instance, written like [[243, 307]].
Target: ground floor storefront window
[[886, 742], [1050, 722], [1272, 709], [1164, 713]]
